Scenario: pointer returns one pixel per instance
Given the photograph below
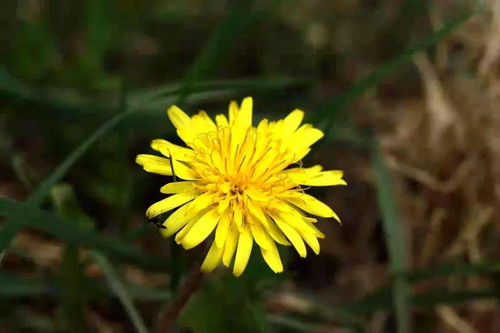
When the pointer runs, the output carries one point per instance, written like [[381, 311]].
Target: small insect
[[157, 221]]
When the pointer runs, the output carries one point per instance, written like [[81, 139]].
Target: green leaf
[[232, 295]]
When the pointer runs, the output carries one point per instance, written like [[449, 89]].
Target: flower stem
[[169, 313]]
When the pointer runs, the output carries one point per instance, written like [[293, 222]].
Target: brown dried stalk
[[167, 317]]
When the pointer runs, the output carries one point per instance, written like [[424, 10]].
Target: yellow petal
[[292, 121], [257, 212], [169, 149], [221, 120], [276, 233], [201, 229], [244, 119], [181, 234], [202, 201], [169, 203], [183, 171], [176, 221], [222, 230], [223, 205], [230, 245], [238, 216], [310, 204], [177, 187], [324, 178], [304, 137], [297, 221], [212, 259], [272, 258], [178, 118], [233, 112], [243, 252], [292, 235], [202, 123], [261, 236], [312, 241], [154, 164]]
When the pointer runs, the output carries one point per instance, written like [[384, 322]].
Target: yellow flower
[[235, 182]]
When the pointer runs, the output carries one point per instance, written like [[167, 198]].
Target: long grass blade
[[332, 109], [223, 36], [74, 233], [452, 269], [382, 299], [121, 291], [394, 241], [14, 224], [15, 286]]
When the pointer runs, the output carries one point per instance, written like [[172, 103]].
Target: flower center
[[240, 166], [237, 189]]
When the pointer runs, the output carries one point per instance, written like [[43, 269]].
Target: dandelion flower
[[242, 184]]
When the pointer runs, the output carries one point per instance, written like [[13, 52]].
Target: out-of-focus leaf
[[142, 101], [16, 286], [74, 234], [72, 296], [232, 295], [331, 110], [451, 269], [293, 324], [33, 40], [382, 299], [394, 240], [121, 291], [224, 35]]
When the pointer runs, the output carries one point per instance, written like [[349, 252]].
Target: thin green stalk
[[121, 291], [331, 110], [394, 240]]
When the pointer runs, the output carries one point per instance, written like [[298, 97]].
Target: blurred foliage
[[83, 89]]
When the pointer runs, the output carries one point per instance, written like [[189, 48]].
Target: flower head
[[237, 183]]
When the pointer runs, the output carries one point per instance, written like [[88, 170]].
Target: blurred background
[[406, 91]]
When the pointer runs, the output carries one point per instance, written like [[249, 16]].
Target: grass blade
[[331, 110], [77, 234], [452, 269], [382, 299], [37, 197], [72, 297], [14, 286], [223, 36], [121, 291], [14, 224], [394, 241]]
